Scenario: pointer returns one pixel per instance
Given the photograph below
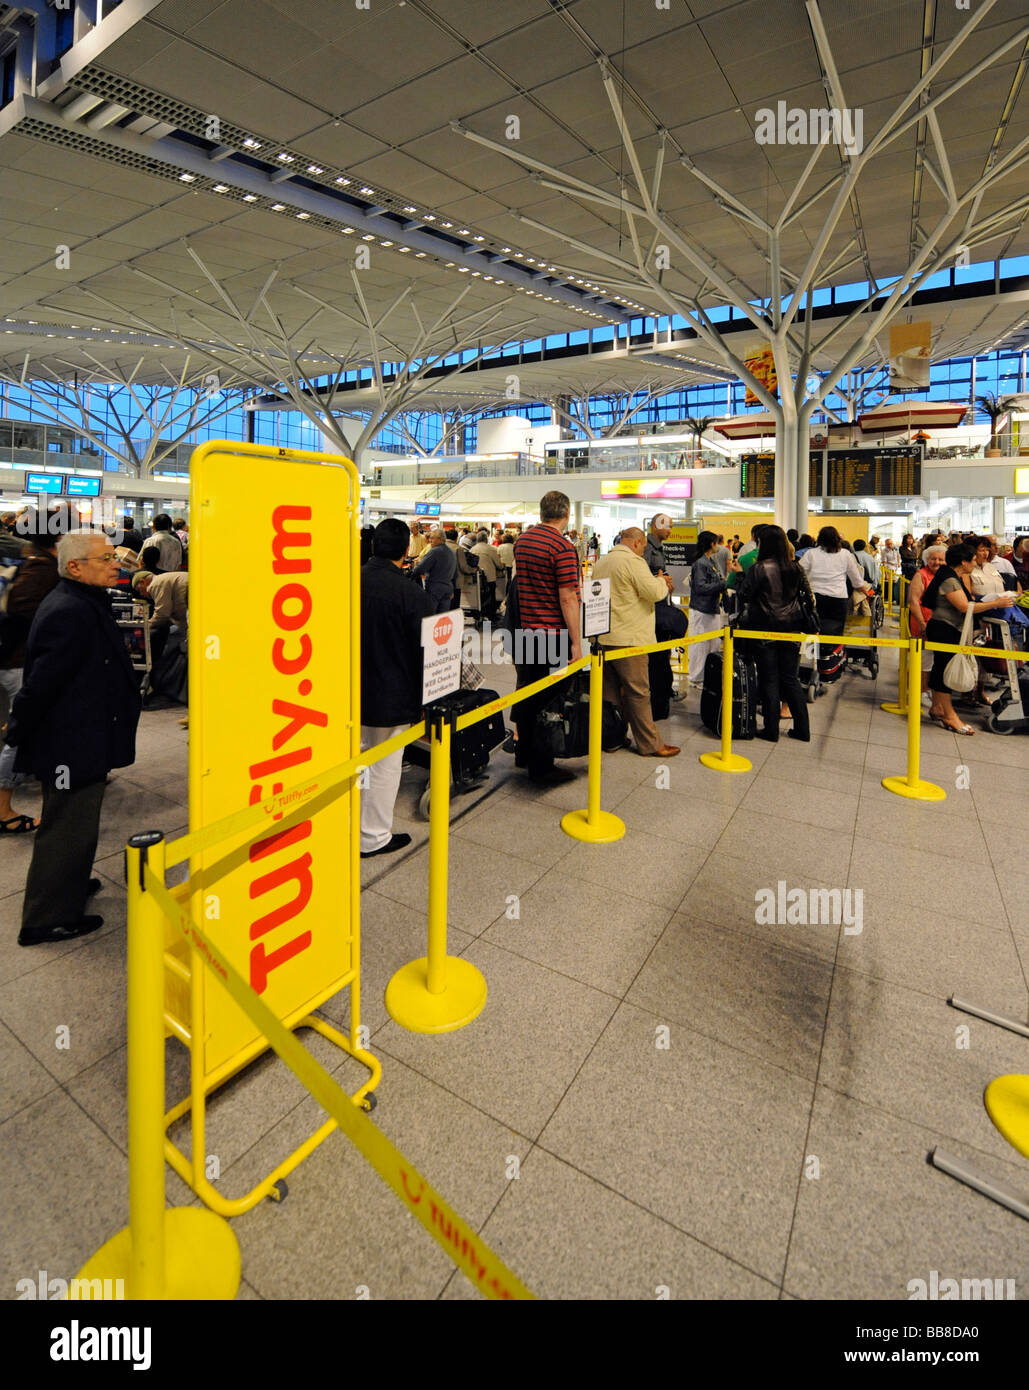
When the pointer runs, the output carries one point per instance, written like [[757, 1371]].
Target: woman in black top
[[776, 597], [908, 557]]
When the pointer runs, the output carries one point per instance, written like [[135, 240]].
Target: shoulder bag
[[961, 672]]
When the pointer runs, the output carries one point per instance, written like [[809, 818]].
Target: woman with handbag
[[707, 585], [954, 609], [776, 597]]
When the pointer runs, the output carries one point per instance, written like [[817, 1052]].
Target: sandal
[[17, 825], [953, 728]]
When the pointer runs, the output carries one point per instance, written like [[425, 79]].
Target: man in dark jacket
[[392, 609], [438, 565], [36, 577], [74, 719]]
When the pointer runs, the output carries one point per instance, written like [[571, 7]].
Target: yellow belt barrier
[[820, 637], [1000, 652], [204, 1246], [474, 716], [301, 794]]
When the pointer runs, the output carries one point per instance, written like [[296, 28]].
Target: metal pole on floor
[[726, 760], [912, 785], [437, 993], [901, 704], [184, 1252], [593, 825]]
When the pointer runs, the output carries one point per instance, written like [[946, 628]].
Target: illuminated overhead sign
[[427, 508], [1021, 480], [613, 489], [44, 482], [83, 487]]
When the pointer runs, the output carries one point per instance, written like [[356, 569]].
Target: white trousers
[[698, 653], [380, 795]]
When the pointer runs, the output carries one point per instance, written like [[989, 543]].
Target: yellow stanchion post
[[912, 785], [593, 825], [726, 760], [177, 1253], [437, 993], [901, 704]]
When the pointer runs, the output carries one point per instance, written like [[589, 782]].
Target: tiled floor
[[662, 1091]]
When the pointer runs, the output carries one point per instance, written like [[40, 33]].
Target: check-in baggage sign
[[441, 645], [596, 607]]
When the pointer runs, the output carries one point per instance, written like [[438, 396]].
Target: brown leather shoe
[[666, 751]]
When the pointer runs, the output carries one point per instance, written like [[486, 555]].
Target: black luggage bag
[[563, 725], [469, 748], [744, 695]]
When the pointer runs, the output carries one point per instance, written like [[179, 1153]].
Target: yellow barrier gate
[[274, 689], [191, 1253]]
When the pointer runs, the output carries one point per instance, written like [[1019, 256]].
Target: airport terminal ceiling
[[341, 119]]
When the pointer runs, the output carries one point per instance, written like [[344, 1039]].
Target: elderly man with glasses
[[73, 720]]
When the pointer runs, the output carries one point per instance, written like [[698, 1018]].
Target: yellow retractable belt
[[486, 1271]]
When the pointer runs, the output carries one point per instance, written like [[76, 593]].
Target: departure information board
[[757, 474], [874, 472]]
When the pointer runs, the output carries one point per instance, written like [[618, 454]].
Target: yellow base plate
[[201, 1256], [1007, 1103], [412, 1006], [734, 763], [607, 828], [921, 791], [894, 709]]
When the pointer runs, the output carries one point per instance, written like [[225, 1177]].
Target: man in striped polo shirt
[[548, 572]]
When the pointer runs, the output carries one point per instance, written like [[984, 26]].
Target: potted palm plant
[[698, 427], [994, 406]]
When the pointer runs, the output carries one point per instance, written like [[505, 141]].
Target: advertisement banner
[[679, 547], [910, 353], [274, 651], [760, 362]]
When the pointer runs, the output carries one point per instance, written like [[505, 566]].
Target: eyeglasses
[[104, 559]]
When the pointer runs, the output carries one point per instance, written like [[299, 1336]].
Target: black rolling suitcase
[[469, 748], [744, 695]]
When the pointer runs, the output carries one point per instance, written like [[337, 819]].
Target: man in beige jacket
[[634, 591]]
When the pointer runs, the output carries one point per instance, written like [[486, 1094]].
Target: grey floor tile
[[906, 871], [1014, 889], [764, 999], [527, 830], [785, 848], [992, 805], [81, 991], [895, 1216], [67, 1191], [391, 936], [894, 821], [17, 961], [689, 821], [725, 893], [644, 864], [480, 882], [1009, 752], [790, 763], [818, 806], [518, 1057], [340, 1227], [582, 929], [608, 1248], [621, 1123], [931, 950], [899, 1050], [23, 1079], [247, 1294]]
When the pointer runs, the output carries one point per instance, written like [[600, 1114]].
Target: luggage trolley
[[470, 749], [133, 617], [1009, 713], [857, 625]]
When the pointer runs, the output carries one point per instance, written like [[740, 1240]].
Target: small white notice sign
[[441, 644], [596, 607]]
